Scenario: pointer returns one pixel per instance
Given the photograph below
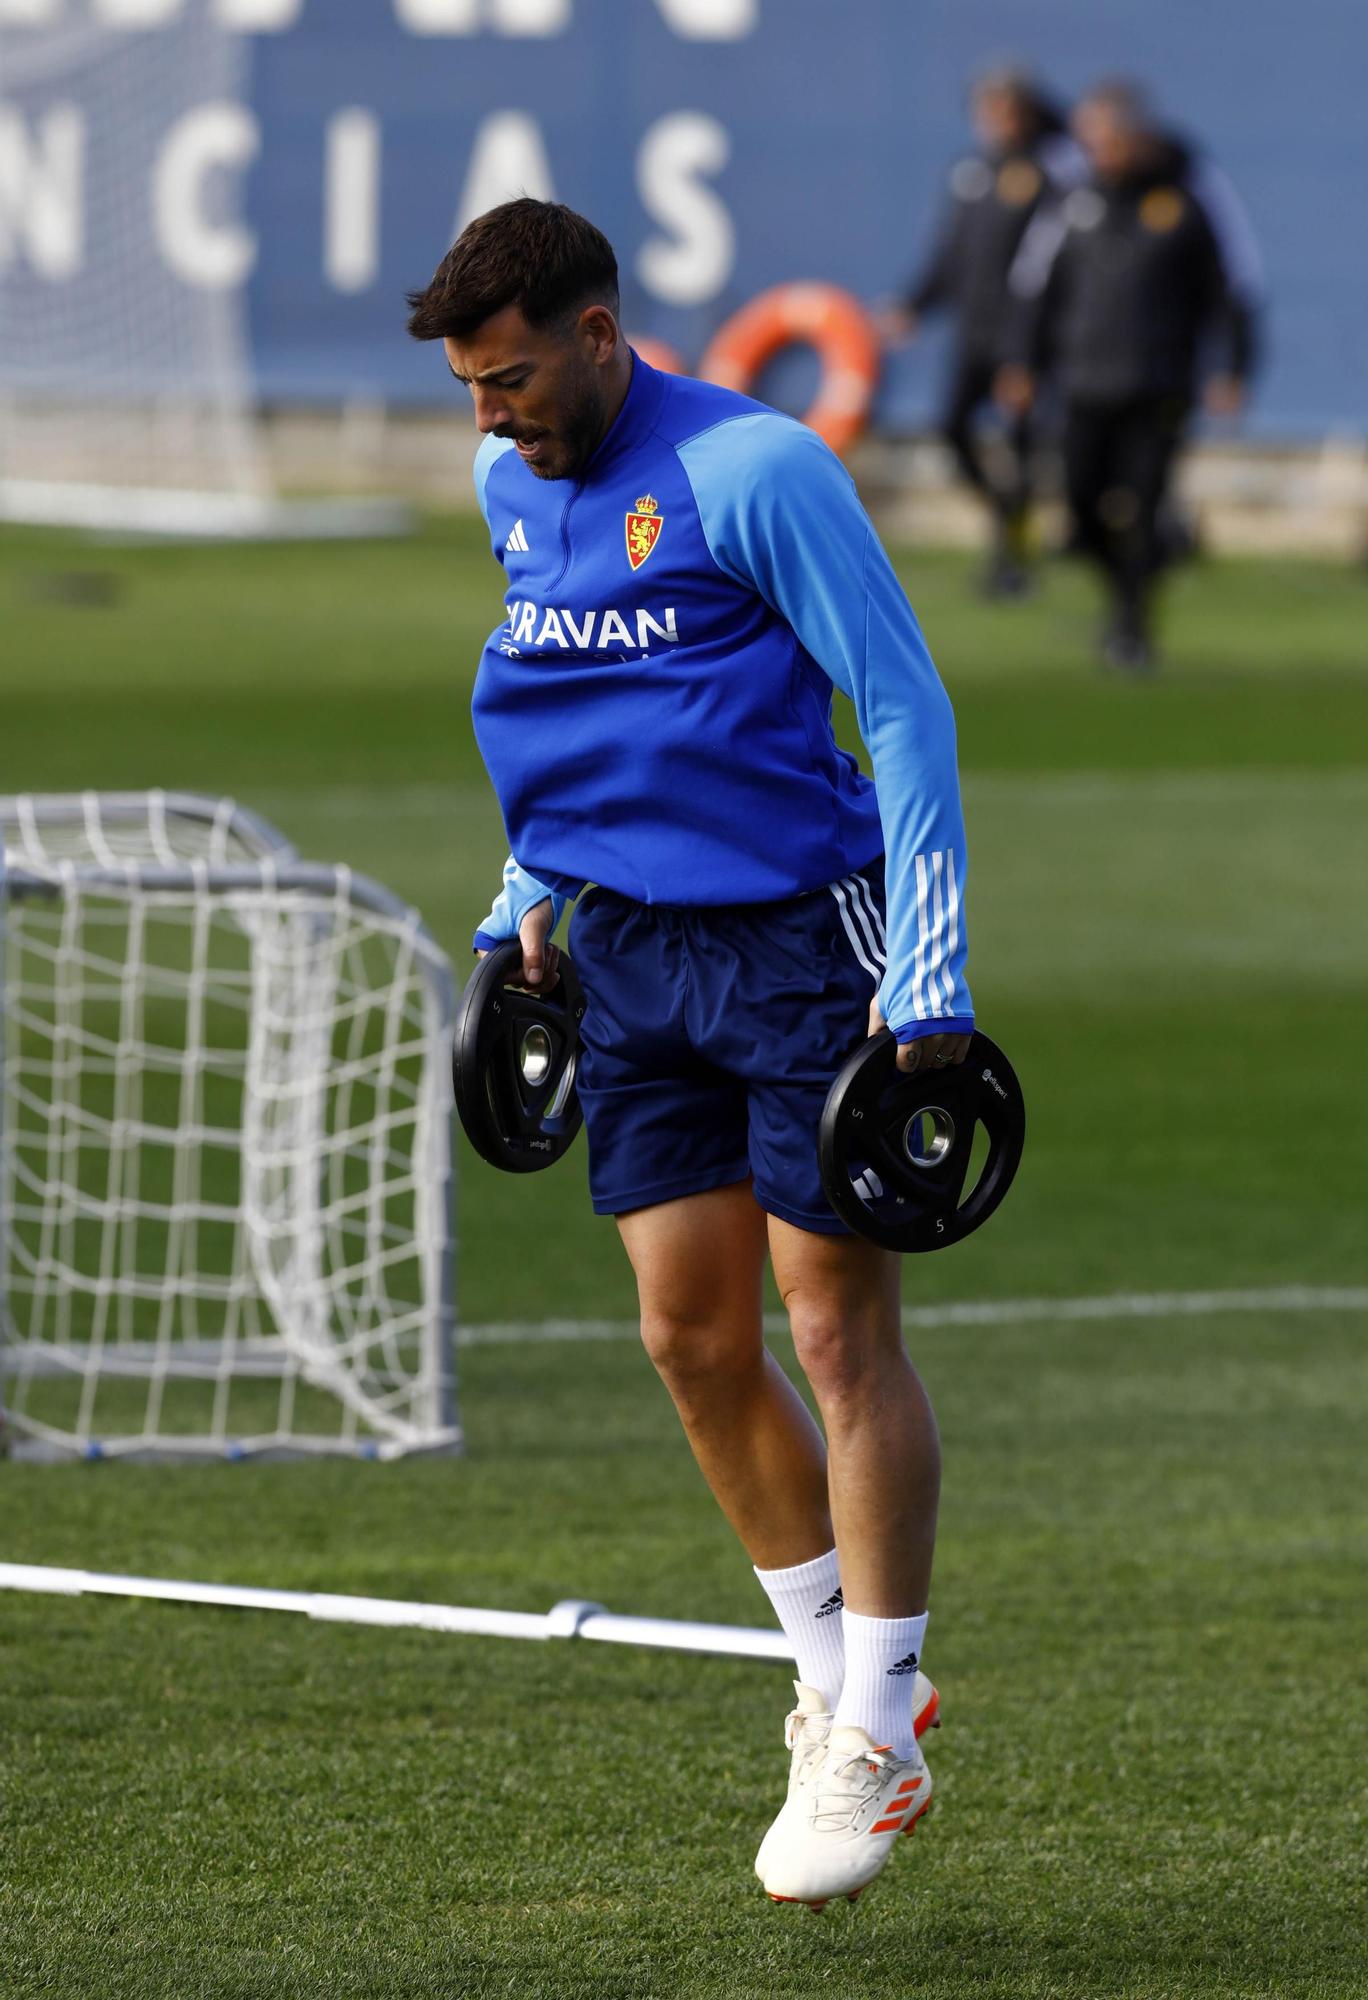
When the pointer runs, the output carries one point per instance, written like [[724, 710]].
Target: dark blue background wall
[[823, 136]]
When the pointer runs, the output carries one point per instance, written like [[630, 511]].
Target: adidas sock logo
[[907, 1666], [835, 1602]]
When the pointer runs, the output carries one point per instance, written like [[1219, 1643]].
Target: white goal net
[[225, 1160], [105, 829], [127, 390], [118, 372]]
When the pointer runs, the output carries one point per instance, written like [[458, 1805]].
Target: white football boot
[[837, 1831], [806, 1729]]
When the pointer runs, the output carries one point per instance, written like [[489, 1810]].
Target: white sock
[[882, 1656], [807, 1603]]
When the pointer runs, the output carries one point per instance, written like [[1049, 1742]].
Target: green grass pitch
[[1148, 1622]]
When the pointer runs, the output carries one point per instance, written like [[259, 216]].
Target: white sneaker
[[837, 1829], [807, 1727]]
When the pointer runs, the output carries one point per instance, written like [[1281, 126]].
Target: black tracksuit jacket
[[991, 202], [1135, 293]]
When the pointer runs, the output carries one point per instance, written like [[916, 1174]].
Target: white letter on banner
[[696, 264], [40, 191], [351, 200], [469, 17], [138, 13], [508, 159], [439, 17], [213, 255], [529, 17], [258, 17], [27, 13], [711, 20]]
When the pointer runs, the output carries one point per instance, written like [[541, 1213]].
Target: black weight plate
[[514, 1062], [894, 1150]]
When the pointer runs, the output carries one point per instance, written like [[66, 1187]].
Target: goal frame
[[180, 827], [274, 871]]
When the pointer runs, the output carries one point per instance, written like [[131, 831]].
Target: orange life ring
[[821, 316], [659, 354]]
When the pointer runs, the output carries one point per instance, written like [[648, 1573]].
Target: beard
[[574, 442]]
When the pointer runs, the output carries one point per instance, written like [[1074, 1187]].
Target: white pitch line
[[986, 1312]]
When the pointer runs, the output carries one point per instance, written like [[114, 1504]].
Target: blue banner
[[723, 145]]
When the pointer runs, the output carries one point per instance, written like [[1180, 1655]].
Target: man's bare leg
[[883, 1470], [866, 1783], [699, 1264], [842, 1296]]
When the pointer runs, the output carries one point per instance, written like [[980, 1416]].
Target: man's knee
[[841, 1349], [699, 1356]]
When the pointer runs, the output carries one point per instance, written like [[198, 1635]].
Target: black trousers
[[1118, 458], [968, 390]]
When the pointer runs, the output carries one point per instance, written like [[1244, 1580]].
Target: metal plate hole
[[534, 1057], [928, 1136]]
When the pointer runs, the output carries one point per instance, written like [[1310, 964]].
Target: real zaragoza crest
[[1162, 210], [643, 530]]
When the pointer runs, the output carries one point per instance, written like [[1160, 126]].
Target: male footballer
[[690, 577]]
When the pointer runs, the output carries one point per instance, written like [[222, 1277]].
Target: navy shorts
[[711, 1038]]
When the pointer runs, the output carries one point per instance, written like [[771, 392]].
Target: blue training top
[[655, 711]]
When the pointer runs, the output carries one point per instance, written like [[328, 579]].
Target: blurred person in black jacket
[[1025, 160], [1132, 290]]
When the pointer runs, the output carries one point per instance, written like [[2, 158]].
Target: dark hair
[[537, 255], [1017, 81]]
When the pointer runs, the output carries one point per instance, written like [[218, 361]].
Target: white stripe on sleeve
[[851, 885], [863, 889], [857, 944], [919, 960], [952, 939], [933, 953]]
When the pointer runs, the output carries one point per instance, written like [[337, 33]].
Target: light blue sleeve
[[781, 514], [521, 892], [486, 458]]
